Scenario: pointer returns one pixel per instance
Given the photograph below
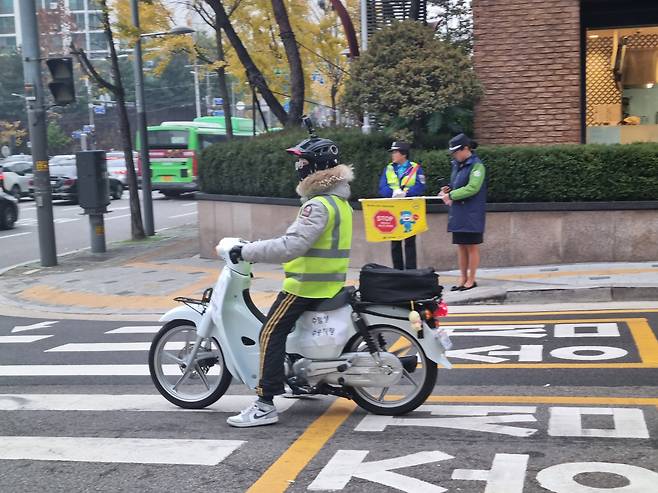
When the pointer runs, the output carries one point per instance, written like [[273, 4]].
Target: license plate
[[167, 178]]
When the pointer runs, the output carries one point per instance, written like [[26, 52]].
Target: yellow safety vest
[[322, 271], [407, 181]]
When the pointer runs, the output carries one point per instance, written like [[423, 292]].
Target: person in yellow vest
[[315, 252], [402, 178]]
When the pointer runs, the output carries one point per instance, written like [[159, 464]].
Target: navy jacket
[[467, 215], [416, 190]]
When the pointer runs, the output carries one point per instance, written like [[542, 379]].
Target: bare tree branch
[[90, 70]]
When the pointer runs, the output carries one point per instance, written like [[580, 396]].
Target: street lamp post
[[149, 227]]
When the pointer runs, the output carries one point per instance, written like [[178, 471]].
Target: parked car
[[14, 158], [8, 211], [16, 176], [64, 181], [116, 168]]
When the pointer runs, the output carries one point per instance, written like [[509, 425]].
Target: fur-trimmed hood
[[334, 181]]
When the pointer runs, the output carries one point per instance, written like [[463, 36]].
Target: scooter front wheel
[[194, 387]]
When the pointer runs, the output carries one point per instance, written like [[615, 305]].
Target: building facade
[[77, 20], [566, 71]]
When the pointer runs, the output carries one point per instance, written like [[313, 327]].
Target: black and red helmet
[[314, 154]]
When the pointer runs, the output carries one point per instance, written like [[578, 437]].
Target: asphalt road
[[561, 402], [21, 244]]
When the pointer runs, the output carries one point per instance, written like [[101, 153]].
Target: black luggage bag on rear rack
[[381, 284]]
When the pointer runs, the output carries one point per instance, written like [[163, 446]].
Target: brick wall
[[527, 57]]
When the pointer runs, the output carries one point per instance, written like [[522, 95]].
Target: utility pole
[[209, 100], [91, 111], [364, 46], [197, 96], [36, 117], [147, 199]]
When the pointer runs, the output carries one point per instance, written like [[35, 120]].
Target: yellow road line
[[565, 312], [537, 399], [546, 321], [580, 366], [286, 468], [54, 296], [645, 340]]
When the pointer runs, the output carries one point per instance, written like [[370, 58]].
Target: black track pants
[[283, 314], [409, 261]]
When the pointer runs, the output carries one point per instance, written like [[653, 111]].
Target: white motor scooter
[[362, 351]]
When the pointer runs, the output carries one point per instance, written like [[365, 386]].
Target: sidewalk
[[140, 279]]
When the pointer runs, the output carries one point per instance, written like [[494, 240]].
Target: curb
[[12, 307]]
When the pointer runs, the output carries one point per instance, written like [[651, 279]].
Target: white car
[[16, 178]]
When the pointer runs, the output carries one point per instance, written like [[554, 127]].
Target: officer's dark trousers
[[409, 260], [283, 314]]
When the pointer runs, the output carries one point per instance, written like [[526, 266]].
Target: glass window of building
[[621, 78], [79, 21], [97, 42], [7, 42], [95, 22], [94, 5], [6, 6], [7, 25], [76, 4]]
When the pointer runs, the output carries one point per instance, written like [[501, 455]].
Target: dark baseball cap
[[458, 142], [400, 146]]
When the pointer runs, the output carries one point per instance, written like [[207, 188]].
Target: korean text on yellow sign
[[391, 220]]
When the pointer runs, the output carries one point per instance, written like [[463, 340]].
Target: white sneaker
[[258, 414]]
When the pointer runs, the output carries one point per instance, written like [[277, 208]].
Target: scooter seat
[[340, 300]]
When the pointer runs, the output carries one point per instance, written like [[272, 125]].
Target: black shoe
[[457, 288], [464, 288]]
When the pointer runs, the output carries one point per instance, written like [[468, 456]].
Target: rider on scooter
[[315, 253]]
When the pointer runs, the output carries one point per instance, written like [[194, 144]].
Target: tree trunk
[[294, 62], [223, 88], [136, 226], [253, 73], [348, 27], [334, 105]]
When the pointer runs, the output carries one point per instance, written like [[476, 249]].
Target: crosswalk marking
[[121, 450], [136, 329], [127, 402], [75, 347], [21, 339], [80, 370]]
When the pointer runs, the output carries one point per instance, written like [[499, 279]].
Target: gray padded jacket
[[310, 222]]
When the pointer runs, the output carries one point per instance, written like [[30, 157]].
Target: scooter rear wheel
[[416, 384], [204, 383]]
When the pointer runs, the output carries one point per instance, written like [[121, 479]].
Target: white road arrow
[[472, 354], [40, 325], [348, 464], [531, 331]]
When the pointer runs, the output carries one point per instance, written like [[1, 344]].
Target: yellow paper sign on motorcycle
[[392, 220]]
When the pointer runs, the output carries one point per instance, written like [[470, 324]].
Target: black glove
[[235, 254]]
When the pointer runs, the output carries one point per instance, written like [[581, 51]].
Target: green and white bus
[[175, 147]]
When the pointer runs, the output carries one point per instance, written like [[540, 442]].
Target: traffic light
[[61, 87]]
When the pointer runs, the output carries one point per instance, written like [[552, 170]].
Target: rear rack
[[194, 303]]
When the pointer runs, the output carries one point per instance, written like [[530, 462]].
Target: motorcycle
[[364, 351]]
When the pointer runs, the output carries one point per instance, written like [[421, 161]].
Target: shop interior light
[[593, 36]]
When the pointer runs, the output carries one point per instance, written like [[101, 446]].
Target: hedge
[[562, 173]]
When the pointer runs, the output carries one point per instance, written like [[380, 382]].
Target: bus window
[[168, 139], [206, 140]]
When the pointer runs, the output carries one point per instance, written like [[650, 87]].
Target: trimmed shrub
[[566, 173]]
